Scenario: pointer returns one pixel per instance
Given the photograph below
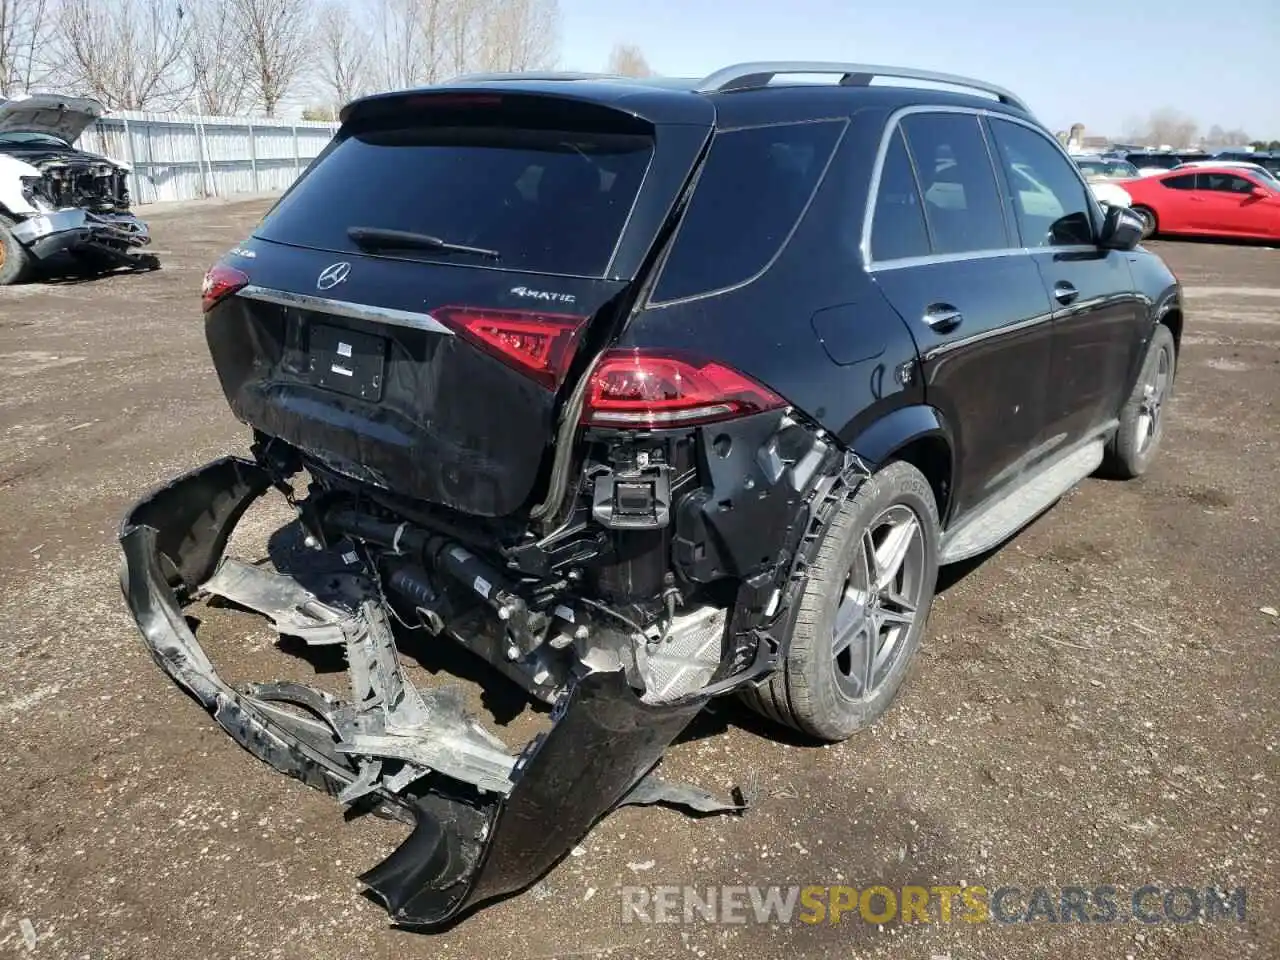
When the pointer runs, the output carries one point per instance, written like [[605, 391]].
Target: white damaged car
[[55, 198]]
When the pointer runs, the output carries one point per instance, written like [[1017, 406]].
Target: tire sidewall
[[17, 261], [1149, 222], [1134, 461], [896, 483]]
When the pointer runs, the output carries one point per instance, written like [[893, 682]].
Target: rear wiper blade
[[380, 238]]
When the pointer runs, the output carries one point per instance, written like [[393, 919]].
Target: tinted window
[[547, 201], [1107, 168], [897, 225], [956, 181], [1166, 160], [1050, 203], [1223, 183], [1185, 182], [752, 189]]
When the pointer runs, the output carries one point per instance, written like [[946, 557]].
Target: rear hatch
[[434, 369]]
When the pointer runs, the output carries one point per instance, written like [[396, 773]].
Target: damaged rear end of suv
[[478, 365]]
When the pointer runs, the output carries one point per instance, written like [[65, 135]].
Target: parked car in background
[[1221, 201], [1102, 176], [1150, 164], [1271, 161], [1106, 168], [55, 198], [1256, 168]]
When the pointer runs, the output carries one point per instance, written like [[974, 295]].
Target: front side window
[[1050, 202], [961, 202], [897, 225], [1224, 183]]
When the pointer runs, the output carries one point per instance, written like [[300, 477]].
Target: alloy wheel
[[1149, 424], [879, 602]]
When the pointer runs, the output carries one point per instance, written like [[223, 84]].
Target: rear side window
[[547, 201], [958, 183], [897, 225], [1049, 201], [1185, 182], [753, 188]]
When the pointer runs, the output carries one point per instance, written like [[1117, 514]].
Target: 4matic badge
[[543, 295]]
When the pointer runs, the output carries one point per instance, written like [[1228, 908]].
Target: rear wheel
[[15, 261], [1149, 221], [862, 611]]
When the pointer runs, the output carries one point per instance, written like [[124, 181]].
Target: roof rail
[[750, 76]]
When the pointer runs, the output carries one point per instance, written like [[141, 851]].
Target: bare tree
[[519, 35], [275, 36], [461, 36], [127, 53], [404, 58], [627, 60], [1165, 127], [415, 42], [342, 48], [24, 30], [215, 59]]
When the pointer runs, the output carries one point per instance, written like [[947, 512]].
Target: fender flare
[[881, 440]]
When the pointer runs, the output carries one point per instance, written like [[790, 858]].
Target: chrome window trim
[[901, 262], [344, 308], [868, 214]]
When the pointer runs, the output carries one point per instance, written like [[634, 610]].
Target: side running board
[[999, 520]]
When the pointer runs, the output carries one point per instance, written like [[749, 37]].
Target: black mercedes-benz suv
[[645, 392]]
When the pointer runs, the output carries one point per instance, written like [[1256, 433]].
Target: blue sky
[[1098, 63]]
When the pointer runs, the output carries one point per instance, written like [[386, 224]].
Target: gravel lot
[[1095, 704]]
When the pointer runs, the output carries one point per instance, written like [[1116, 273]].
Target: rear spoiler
[[599, 106]]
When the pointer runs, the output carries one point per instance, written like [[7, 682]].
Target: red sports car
[[1208, 201]]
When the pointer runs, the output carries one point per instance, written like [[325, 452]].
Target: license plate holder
[[347, 361]]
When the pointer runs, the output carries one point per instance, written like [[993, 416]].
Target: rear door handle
[[1064, 292], [943, 317]]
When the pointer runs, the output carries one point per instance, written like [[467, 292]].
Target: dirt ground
[[1095, 704]]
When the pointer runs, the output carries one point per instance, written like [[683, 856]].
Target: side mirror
[[1258, 191], [1122, 229]]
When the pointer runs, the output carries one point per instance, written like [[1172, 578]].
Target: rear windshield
[[547, 201]]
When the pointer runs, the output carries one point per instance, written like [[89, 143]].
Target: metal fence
[[181, 157]]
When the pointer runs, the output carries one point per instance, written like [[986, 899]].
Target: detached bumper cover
[[49, 233], [466, 847]]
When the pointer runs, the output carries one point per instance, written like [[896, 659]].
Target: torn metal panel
[[654, 790], [293, 609]]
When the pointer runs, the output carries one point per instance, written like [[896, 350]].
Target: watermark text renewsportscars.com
[[877, 904]]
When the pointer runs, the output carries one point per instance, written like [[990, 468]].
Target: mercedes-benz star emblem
[[332, 275]]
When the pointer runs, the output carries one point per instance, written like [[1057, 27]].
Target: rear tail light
[[219, 283], [641, 388], [540, 345]]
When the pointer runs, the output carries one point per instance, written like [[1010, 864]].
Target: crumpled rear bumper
[[466, 847], [47, 234]]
